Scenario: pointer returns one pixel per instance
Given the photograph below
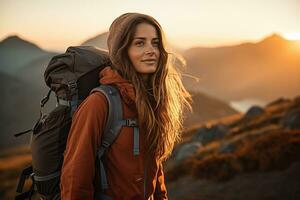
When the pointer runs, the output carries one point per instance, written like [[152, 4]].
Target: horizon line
[[171, 44]]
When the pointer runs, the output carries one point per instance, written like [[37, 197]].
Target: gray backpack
[[72, 76]]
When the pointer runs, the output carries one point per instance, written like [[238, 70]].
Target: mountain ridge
[[16, 52]]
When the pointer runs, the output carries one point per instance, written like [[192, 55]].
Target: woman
[[152, 92]]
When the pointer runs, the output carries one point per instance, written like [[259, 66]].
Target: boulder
[[227, 147], [291, 119], [254, 111], [209, 134], [187, 150]]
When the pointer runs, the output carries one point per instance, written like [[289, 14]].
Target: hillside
[[206, 108], [240, 156], [265, 70], [16, 52], [22, 66], [98, 41], [12, 162], [33, 71], [250, 156], [19, 109]]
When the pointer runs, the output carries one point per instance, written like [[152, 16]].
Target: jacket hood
[[110, 76]]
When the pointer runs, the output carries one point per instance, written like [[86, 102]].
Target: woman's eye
[[139, 43], [156, 43]]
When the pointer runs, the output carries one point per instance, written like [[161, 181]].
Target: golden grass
[[272, 151], [12, 162]]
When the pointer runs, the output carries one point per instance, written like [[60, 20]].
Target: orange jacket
[[125, 171]]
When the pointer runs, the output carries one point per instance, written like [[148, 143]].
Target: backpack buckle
[[72, 85], [131, 122]]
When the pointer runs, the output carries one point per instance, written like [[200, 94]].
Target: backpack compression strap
[[113, 126]]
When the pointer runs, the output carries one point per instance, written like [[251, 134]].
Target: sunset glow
[[292, 36], [201, 22]]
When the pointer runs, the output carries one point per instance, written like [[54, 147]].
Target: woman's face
[[144, 51]]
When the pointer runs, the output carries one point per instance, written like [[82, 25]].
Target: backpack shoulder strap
[[113, 125], [115, 114]]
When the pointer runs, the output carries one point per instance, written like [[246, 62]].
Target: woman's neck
[[146, 80]]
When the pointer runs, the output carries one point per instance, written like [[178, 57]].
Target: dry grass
[[273, 151], [12, 162]]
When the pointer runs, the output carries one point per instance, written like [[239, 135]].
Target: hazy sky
[[56, 24]]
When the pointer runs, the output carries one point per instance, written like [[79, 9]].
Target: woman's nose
[[150, 49]]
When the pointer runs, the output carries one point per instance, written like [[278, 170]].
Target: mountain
[[98, 41], [23, 106], [16, 52], [206, 108], [21, 95], [265, 70], [22, 87], [19, 109], [33, 71], [245, 156]]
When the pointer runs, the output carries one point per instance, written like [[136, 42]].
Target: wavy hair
[[161, 101]]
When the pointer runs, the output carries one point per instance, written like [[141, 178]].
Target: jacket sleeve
[[160, 190], [78, 169]]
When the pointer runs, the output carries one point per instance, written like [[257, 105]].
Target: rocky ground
[[251, 156]]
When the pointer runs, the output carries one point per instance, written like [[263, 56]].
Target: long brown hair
[[160, 103]]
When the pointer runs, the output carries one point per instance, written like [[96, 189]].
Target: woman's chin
[[148, 70]]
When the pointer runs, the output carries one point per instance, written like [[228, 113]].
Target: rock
[[209, 134], [251, 113], [187, 150], [291, 119], [254, 111], [227, 147]]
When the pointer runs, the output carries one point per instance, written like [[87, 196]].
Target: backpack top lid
[[72, 66]]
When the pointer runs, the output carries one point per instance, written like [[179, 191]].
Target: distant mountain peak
[[11, 38], [275, 38], [15, 40], [16, 52], [98, 40]]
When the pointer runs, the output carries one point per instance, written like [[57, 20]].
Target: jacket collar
[[127, 91]]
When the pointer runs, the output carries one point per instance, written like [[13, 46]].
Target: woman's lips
[[149, 61]]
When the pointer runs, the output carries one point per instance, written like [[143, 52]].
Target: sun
[[292, 36]]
